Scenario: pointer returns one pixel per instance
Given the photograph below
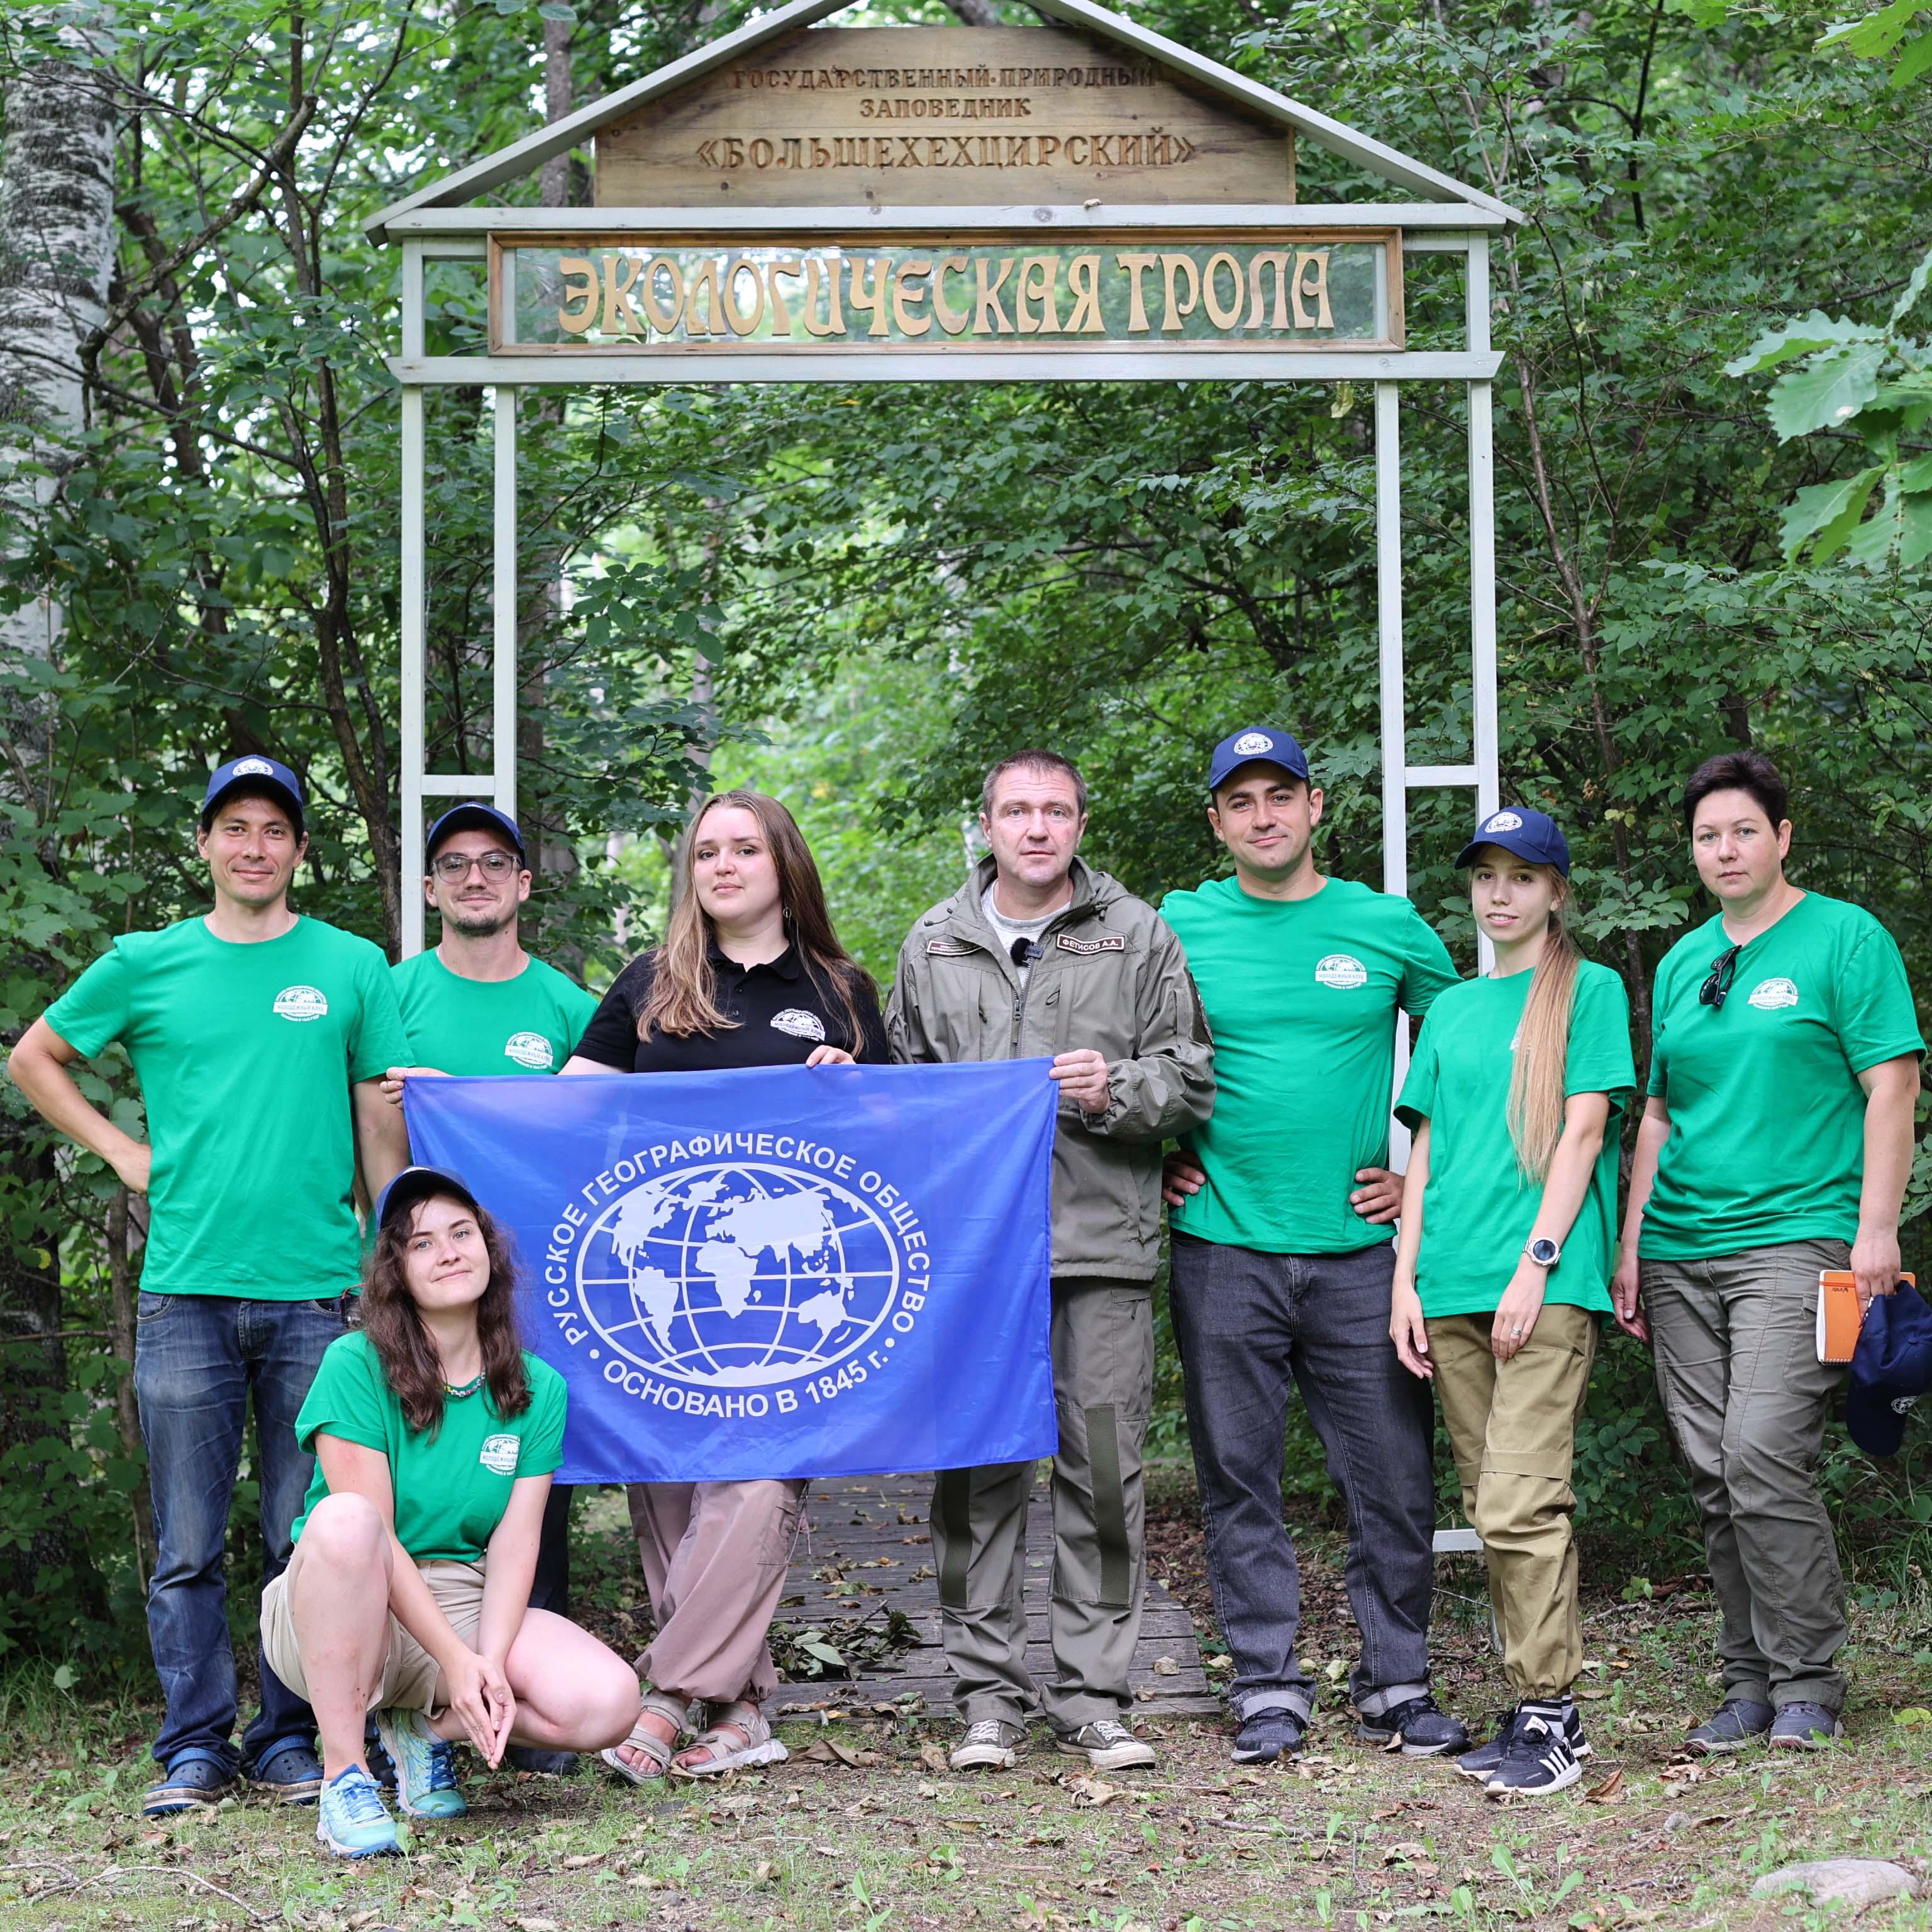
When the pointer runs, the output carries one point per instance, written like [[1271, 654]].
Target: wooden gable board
[[938, 116], [525, 156]]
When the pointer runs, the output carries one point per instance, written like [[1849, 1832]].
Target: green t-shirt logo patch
[[301, 1003], [529, 1049], [1342, 971], [1767, 995], [499, 1454]]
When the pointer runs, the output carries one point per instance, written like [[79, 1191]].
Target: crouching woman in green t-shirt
[[1502, 1270], [435, 1436]]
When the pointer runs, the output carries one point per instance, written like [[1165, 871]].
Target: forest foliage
[[1714, 519]]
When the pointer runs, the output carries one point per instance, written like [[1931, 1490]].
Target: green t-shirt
[[1302, 996], [1477, 1210], [245, 1053], [1767, 1117], [452, 1486], [529, 1025]]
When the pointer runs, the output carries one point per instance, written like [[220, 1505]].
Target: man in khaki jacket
[[1039, 954]]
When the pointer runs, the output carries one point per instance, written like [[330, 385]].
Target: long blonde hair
[[683, 998], [1537, 1080]]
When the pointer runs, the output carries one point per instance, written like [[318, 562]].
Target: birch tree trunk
[[56, 255]]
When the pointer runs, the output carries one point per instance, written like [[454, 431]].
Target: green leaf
[[1817, 331], [1877, 33], [1914, 288], [1915, 534], [1913, 62], [1828, 513], [65, 1679], [1827, 392]]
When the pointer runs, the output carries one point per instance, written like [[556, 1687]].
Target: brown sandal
[[753, 1743], [658, 1751]]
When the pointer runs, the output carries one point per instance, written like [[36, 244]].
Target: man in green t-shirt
[[259, 1038], [1281, 1259], [476, 1003], [1775, 1147]]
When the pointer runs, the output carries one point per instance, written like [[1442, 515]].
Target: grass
[[1350, 1837]]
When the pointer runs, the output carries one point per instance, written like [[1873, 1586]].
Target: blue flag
[[778, 1271]]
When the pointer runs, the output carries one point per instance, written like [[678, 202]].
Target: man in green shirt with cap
[[259, 1038], [1281, 1260], [478, 1004]]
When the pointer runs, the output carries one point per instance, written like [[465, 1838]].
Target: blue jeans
[[1249, 1326], [197, 1359]]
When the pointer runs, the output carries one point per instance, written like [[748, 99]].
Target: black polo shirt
[[780, 1014]]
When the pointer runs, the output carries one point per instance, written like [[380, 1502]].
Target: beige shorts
[[411, 1677]]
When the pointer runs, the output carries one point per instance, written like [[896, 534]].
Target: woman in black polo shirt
[[750, 974]]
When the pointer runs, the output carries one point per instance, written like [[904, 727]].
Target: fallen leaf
[[765, 1873], [578, 1861], [1407, 1848], [929, 1791], [1607, 1792], [1090, 1792], [1145, 1692], [933, 1758], [1589, 1692], [528, 1924], [1165, 1666]]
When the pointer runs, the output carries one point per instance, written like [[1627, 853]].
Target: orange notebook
[[1839, 1320]]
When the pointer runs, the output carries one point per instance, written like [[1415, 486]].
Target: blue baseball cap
[[419, 1183], [1530, 834], [1890, 1369], [1259, 744], [259, 774], [472, 818]]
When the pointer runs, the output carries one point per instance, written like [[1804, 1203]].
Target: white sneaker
[[990, 1744], [1106, 1745]]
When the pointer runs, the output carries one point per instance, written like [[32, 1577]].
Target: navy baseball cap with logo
[[257, 774], [1259, 744], [1890, 1369], [419, 1183], [1534, 835], [472, 818]]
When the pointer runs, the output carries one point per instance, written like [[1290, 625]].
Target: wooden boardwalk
[[867, 1549]]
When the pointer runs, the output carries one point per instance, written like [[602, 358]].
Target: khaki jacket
[[1111, 976]]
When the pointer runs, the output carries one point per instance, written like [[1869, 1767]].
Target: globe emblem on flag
[[738, 1275]]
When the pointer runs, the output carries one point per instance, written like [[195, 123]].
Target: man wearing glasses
[[1775, 1145], [477, 1003]]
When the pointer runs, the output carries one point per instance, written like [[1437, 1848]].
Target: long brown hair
[[1537, 1081], [390, 1320], [683, 998]]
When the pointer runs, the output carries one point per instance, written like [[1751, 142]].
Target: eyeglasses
[[494, 864], [1724, 970]]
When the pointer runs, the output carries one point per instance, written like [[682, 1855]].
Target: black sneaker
[[1537, 1759], [544, 1763], [1270, 1735], [1483, 1762], [1803, 1726], [1737, 1722], [1416, 1727]]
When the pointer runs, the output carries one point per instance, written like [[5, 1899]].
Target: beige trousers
[[715, 1557], [1512, 1426]]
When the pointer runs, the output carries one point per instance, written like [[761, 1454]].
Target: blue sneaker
[[426, 1785], [352, 1819]]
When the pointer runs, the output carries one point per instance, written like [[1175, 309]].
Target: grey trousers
[[1745, 1395], [1103, 1388]]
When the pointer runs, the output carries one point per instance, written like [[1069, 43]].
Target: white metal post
[[503, 728], [1482, 541], [415, 612], [1395, 736]]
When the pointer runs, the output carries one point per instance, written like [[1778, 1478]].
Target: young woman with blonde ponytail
[[1503, 1269]]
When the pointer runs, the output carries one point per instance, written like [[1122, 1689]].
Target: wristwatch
[[1542, 1251]]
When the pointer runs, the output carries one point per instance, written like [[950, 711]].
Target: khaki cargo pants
[[1513, 1427], [1745, 1395], [1103, 1386]]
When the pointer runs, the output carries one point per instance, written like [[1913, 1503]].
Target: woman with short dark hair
[[435, 1436], [1775, 1145], [750, 974]]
